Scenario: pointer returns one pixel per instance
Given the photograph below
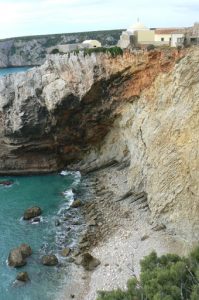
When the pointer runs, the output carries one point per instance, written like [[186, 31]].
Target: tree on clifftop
[[169, 277]]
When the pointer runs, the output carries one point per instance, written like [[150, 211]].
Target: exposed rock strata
[[50, 115], [158, 134]]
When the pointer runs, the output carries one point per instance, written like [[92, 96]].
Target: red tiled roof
[[169, 30]]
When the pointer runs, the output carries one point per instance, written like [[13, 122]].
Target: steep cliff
[[141, 108], [158, 134], [51, 114]]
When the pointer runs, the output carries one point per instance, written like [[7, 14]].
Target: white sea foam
[[64, 173], [68, 193], [75, 174]]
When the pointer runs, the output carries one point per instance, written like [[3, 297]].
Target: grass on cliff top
[[113, 51], [169, 277]]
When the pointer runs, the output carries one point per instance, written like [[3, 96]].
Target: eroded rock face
[[50, 115], [159, 135]]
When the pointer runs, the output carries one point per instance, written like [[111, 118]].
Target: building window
[[162, 39]]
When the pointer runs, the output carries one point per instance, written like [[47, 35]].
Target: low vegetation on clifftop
[[169, 277], [113, 51]]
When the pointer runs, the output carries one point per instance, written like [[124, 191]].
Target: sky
[[34, 17]]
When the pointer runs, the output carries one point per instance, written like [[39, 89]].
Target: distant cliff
[[31, 51]]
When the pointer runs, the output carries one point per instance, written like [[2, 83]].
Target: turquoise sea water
[[45, 191], [6, 71]]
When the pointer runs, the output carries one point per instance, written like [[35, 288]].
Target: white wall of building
[[92, 43], [162, 39], [175, 37]]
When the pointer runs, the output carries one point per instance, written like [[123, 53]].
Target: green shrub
[[150, 47], [169, 277], [114, 51], [55, 51]]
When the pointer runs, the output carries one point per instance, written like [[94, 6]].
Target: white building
[[177, 39], [91, 44], [72, 47], [168, 36], [136, 35]]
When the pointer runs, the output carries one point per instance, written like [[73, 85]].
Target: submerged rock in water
[[49, 260], [89, 262], [32, 213], [18, 255], [16, 259], [23, 276], [6, 182], [76, 204]]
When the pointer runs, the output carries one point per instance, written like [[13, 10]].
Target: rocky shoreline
[[118, 232]]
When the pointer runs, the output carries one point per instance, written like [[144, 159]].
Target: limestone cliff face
[[141, 108], [50, 115], [159, 135]]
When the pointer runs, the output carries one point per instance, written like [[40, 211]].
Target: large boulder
[[18, 255], [16, 259], [25, 250], [65, 252], [23, 276], [32, 213], [89, 262], [49, 260], [76, 204]]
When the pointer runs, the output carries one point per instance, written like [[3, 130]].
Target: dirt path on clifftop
[[119, 233]]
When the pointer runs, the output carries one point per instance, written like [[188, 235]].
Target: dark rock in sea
[[16, 259], [65, 252], [25, 250], [76, 204], [76, 223], [89, 262], [23, 276], [57, 223], [75, 190], [6, 182], [49, 260], [71, 259], [32, 213]]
